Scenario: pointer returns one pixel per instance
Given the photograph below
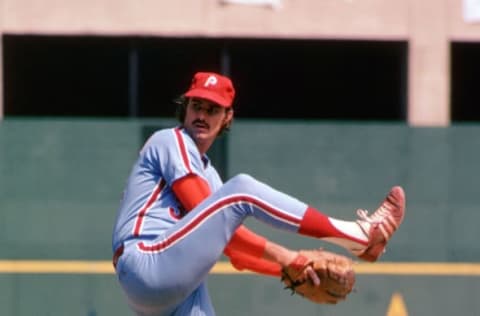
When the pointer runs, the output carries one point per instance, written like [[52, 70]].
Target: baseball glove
[[335, 273]]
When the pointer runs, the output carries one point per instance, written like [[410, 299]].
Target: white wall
[[428, 26]]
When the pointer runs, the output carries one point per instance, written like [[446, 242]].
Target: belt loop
[[116, 255]]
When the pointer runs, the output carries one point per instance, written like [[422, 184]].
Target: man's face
[[205, 119]]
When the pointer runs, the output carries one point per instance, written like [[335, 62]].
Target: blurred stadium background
[[337, 101]]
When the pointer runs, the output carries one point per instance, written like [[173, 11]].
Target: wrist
[[279, 254]]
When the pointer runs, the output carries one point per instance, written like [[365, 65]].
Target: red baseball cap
[[213, 87]]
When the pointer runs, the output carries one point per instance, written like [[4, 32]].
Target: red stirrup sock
[[317, 224]]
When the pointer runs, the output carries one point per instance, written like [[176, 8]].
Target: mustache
[[200, 122]]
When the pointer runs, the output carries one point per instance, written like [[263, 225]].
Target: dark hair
[[181, 108]]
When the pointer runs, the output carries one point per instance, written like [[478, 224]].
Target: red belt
[[116, 256]]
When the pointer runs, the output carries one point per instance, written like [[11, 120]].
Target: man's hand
[[320, 276]]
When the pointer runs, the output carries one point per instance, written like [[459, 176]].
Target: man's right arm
[[248, 250]]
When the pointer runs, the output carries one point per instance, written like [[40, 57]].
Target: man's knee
[[242, 182]]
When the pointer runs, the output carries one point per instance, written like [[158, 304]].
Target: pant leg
[[165, 271], [197, 304]]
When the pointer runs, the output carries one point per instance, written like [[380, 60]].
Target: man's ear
[[228, 118]]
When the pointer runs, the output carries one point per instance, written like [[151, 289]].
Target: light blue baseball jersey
[[167, 254], [148, 205]]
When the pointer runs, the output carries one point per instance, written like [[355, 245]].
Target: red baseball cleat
[[381, 225]]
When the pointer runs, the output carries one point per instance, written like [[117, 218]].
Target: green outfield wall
[[61, 181]]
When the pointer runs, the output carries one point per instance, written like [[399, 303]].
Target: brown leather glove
[[335, 272]]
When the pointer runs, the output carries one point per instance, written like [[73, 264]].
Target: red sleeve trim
[[190, 190], [242, 261], [246, 241]]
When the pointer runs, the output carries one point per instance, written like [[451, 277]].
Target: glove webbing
[[299, 264]]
